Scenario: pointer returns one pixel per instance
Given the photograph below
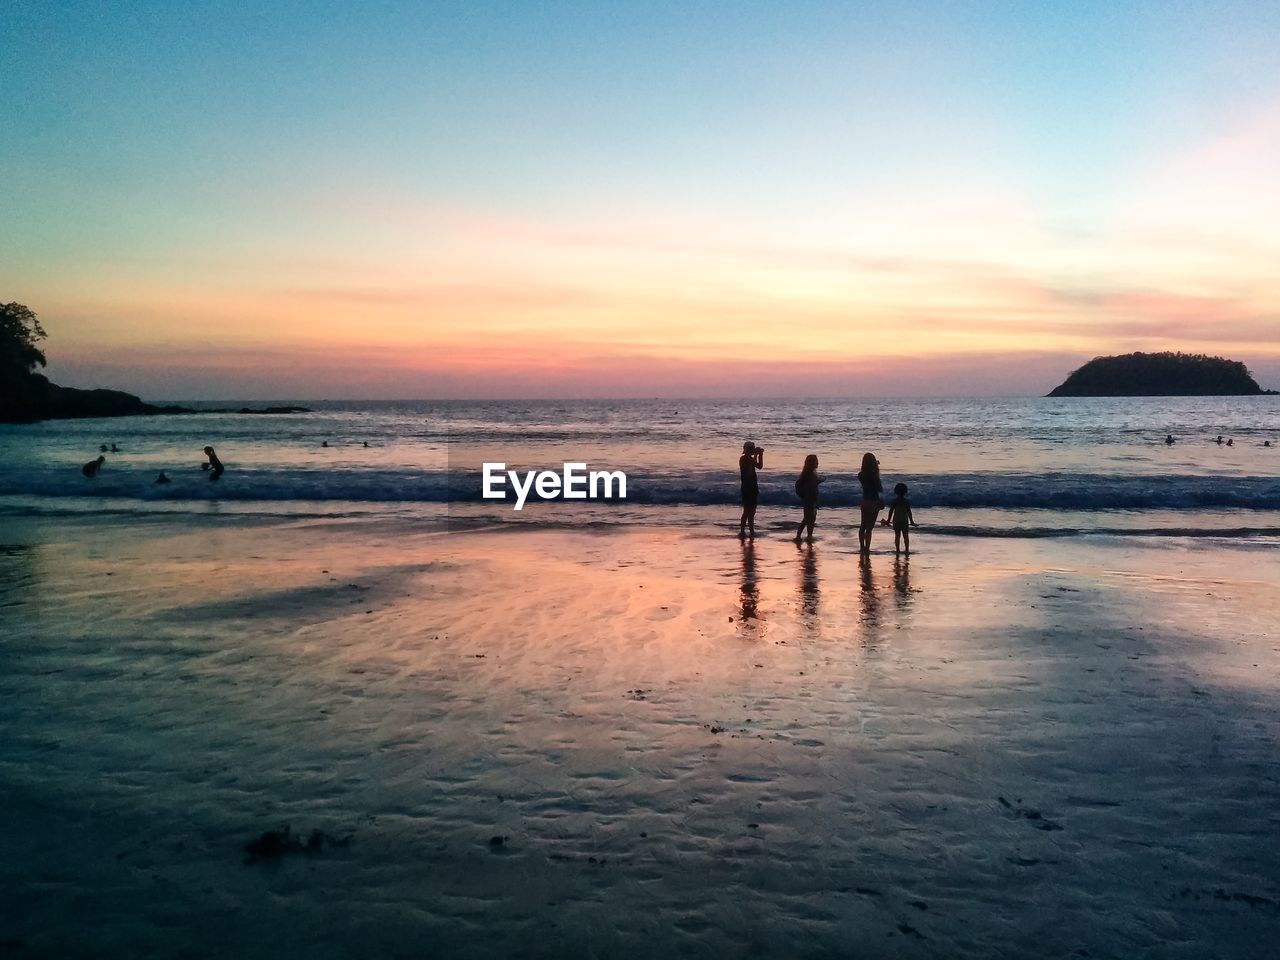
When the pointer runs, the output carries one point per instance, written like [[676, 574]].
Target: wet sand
[[633, 743]]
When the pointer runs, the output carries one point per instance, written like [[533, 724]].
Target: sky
[[585, 199]]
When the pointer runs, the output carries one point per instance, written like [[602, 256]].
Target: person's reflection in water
[[18, 573], [870, 602], [750, 589], [902, 581], [809, 594]]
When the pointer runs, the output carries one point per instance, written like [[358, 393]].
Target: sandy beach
[[627, 742]]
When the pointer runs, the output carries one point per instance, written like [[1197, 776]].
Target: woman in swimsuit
[[872, 504]]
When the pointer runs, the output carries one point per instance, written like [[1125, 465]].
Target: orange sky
[[574, 232]]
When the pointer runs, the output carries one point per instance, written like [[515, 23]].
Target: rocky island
[[1160, 375]]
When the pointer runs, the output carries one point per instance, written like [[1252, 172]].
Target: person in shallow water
[[1169, 441], [752, 459], [872, 504], [214, 466], [91, 468], [807, 491]]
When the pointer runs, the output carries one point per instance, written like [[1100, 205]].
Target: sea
[[1002, 467]]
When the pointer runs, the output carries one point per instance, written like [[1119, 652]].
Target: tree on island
[[1160, 375]]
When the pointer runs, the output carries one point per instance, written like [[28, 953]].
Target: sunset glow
[[571, 199]]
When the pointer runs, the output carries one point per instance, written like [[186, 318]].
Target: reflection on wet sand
[[749, 598], [870, 602], [902, 581], [859, 600], [809, 593], [18, 573]]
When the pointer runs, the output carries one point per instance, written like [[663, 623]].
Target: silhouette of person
[[752, 459], [366, 443], [872, 504], [1169, 441], [102, 448], [91, 468], [325, 443], [807, 491], [1230, 442], [1219, 440], [114, 448], [214, 466], [1266, 443], [900, 519], [162, 478]]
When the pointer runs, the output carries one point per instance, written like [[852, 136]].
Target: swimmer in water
[[1169, 441], [91, 468], [162, 478], [1230, 442], [214, 466]]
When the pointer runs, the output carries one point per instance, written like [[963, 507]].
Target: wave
[[1048, 533], [1057, 491], [1262, 536]]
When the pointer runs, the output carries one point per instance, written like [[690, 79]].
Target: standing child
[[900, 519], [807, 491]]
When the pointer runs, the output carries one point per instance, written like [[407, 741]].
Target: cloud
[[1206, 212], [401, 296]]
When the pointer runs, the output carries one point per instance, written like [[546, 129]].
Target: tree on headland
[[27, 396], [20, 331], [20, 334]]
